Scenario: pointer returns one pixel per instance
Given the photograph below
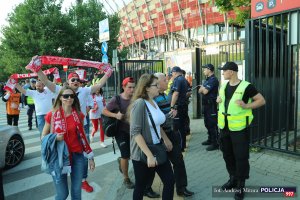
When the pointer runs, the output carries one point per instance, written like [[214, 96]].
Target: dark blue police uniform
[[180, 85], [210, 108]]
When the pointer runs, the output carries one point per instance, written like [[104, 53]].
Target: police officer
[[177, 95], [29, 102], [236, 100], [209, 91], [95, 79]]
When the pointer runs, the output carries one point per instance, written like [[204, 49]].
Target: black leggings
[[143, 173], [12, 120]]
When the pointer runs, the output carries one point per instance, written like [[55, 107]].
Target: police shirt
[[180, 86], [211, 84]]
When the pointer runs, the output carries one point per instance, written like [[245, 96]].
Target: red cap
[[127, 80], [72, 75]]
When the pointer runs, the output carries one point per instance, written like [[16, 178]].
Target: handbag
[[158, 150]]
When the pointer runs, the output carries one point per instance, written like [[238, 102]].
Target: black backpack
[[111, 124]]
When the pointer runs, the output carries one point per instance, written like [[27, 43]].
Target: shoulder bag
[[158, 150], [111, 124]]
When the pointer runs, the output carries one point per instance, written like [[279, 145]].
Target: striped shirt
[[165, 106]]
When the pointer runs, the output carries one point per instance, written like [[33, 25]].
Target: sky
[[7, 6]]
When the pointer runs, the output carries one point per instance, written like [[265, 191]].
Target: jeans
[[1, 185], [87, 134], [143, 173], [61, 187], [40, 122]]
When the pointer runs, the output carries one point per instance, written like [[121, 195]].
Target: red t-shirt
[[71, 137]]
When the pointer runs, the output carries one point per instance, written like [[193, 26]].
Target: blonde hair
[[144, 82]]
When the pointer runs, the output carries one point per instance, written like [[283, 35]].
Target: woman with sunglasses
[[143, 131], [66, 120]]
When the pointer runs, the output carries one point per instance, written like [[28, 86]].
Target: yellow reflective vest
[[29, 99], [236, 115], [95, 81]]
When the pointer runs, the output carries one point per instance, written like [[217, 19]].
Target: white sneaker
[[91, 138], [102, 145]]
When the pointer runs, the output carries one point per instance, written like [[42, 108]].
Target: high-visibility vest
[[29, 100], [170, 83], [13, 100], [95, 81], [237, 116]]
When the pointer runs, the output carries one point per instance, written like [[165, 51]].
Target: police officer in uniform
[[95, 79], [29, 102], [209, 92], [236, 100]]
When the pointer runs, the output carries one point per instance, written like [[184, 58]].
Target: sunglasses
[[67, 96], [75, 79]]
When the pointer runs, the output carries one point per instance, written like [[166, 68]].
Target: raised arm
[[22, 90], [100, 84], [46, 81]]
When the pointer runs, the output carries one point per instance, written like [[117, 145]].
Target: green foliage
[[240, 7], [224, 5], [39, 27]]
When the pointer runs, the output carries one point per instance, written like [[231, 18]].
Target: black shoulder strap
[[152, 121], [118, 98]]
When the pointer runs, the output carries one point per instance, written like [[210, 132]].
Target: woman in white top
[[143, 134], [95, 115]]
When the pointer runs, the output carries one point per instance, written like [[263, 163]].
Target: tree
[[87, 29], [36, 27], [39, 27], [241, 8]]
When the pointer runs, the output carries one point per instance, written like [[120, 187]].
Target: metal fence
[[226, 51], [272, 63], [135, 68]]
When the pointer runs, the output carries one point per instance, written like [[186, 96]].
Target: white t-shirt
[[99, 101], [42, 101], [83, 94], [158, 118]]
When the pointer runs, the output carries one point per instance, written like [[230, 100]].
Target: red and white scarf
[[60, 127], [37, 62], [95, 104], [12, 81]]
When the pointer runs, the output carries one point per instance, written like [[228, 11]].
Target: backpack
[[111, 124]]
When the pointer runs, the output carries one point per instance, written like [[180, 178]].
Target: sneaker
[[127, 182], [85, 186], [30, 128], [102, 145], [91, 138]]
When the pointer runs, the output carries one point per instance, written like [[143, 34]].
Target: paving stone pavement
[[206, 169]]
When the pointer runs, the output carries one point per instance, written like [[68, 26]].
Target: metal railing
[[272, 63]]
